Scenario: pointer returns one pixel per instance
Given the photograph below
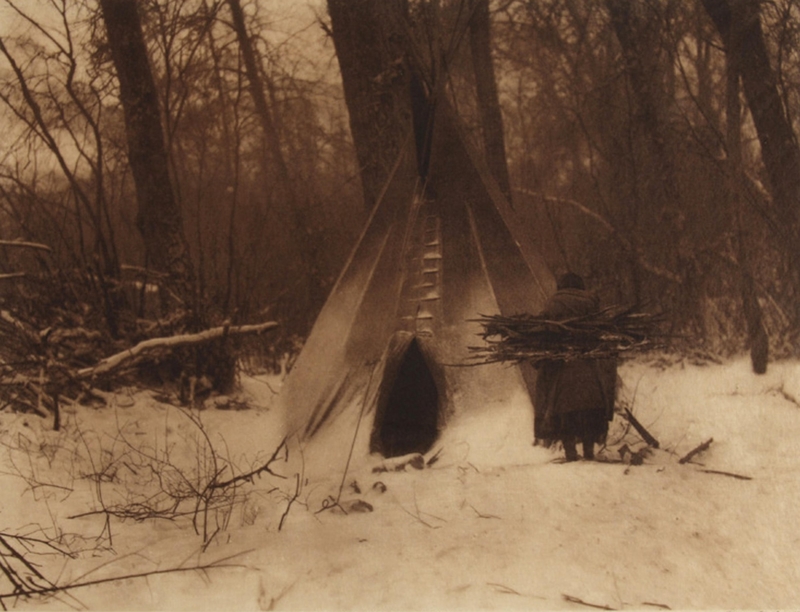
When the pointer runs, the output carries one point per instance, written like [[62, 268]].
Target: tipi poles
[[355, 433]]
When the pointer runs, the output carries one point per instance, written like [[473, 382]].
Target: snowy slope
[[499, 526]]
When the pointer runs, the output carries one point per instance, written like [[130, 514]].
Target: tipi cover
[[383, 369]]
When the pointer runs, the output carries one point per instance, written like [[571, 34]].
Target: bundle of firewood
[[601, 335]]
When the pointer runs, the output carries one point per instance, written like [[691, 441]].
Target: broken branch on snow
[[731, 474], [578, 600], [646, 435], [169, 342], [696, 451]]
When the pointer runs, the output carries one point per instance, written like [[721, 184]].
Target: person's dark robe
[[574, 398]]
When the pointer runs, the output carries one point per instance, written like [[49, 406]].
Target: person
[[574, 399]]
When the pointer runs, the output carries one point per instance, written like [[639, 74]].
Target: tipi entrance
[[408, 410]]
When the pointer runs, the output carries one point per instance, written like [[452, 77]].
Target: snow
[[494, 524]]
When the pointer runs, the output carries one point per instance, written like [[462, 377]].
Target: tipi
[[383, 368]]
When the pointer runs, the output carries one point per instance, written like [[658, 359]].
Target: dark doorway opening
[[407, 416]]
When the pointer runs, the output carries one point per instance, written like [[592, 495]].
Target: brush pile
[[601, 335]]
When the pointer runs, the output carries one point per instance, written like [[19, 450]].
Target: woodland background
[[172, 165]]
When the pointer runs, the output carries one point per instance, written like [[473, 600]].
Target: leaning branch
[[696, 451], [114, 361], [646, 435]]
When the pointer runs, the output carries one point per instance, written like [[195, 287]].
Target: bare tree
[[64, 113], [257, 91], [756, 333], [739, 25], [159, 217]]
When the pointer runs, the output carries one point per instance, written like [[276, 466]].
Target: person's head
[[570, 280]]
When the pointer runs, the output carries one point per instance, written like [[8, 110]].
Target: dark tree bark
[[370, 40], [159, 217], [739, 25], [488, 99], [756, 333]]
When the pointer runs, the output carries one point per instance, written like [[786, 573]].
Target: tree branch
[[695, 451], [25, 245], [114, 361]]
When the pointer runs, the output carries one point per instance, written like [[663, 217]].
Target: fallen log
[[169, 342], [646, 435], [696, 451]]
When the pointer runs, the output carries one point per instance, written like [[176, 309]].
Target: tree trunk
[[159, 217], [369, 37], [488, 99], [756, 334], [634, 31], [296, 247], [256, 87], [739, 25]]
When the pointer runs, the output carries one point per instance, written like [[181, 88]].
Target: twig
[[696, 451], [503, 588], [115, 361], [22, 584], [418, 517], [77, 585], [731, 474], [578, 600], [248, 477], [291, 501], [481, 515], [656, 605], [30, 540]]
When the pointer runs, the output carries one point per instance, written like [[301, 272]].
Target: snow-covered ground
[[505, 526]]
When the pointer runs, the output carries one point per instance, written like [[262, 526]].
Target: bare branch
[[114, 361], [20, 244], [696, 451]]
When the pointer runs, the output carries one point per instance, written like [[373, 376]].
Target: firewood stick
[[695, 451], [646, 435]]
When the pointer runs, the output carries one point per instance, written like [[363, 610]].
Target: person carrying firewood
[[574, 398]]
